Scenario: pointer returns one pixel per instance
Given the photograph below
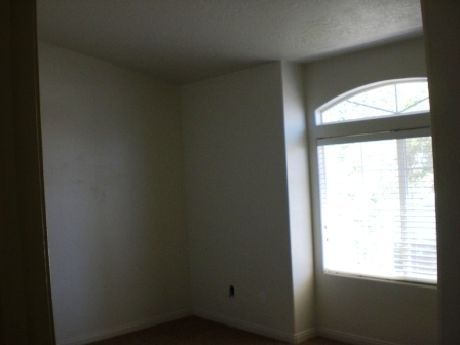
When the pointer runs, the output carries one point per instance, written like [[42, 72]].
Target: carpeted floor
[[197, 331]]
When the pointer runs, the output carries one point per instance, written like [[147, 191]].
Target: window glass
[[377, 208], [392, 98]]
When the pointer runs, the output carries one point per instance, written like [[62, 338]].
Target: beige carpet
[[196, 331]]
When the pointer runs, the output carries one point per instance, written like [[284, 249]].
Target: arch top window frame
[[376, 111]]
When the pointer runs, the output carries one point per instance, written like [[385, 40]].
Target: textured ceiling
[[187, 40]]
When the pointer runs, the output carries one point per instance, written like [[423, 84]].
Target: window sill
[[418, 284]]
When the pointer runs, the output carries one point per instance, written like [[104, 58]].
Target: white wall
[[295, 141], [114, 195], [358, 309], [237, 200], [113, 184], [442, 29]]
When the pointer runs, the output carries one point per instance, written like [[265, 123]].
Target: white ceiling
[[188, 40]]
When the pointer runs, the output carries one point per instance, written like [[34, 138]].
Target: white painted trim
[[124, 329], [352, 338], [300, 337], [366, 137], [374, 126], [256, 328]]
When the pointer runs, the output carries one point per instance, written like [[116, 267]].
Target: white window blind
[[377, 209]]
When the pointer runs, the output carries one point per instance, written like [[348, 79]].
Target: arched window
[[383, 99], [375, 182]]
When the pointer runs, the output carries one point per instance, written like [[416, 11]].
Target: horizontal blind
[[377, 209]]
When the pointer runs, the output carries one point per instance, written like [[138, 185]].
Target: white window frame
[[409, 125]]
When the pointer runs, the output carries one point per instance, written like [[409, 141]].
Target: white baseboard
[[124, 329], [300, 337], [250, 327], [256, 328], [352, 338]]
